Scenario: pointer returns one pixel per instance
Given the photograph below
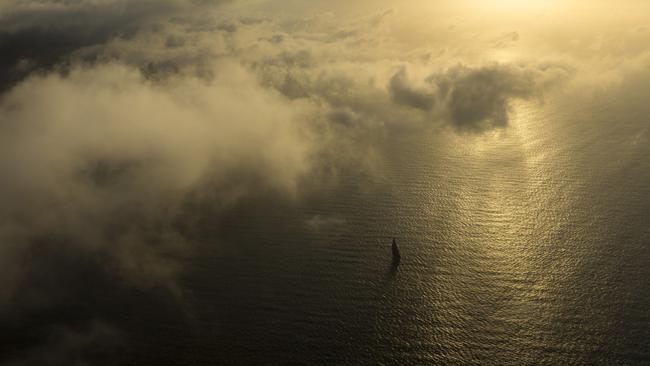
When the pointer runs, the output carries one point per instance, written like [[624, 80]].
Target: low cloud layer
[[37, 35], [103, 171], [101, 163], [475, 99]]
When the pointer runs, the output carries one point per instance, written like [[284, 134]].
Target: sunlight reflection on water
[[509, 256]]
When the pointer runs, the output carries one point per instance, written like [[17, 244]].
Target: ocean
[[528, 245]]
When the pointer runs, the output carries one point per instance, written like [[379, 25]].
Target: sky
[[118, 115]]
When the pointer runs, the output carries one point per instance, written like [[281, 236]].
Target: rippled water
[[526, 246]]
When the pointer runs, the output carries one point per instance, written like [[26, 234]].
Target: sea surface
[[528, 245]]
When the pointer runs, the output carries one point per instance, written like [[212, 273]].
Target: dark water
[[527, 246]]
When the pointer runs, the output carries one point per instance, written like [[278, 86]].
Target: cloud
[[102, 162], [39, 34], [476, 99], [403, 93], [505, 40], [318, 222], [102, 171]]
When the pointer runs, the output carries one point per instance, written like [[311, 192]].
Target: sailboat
[[396, 256]]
